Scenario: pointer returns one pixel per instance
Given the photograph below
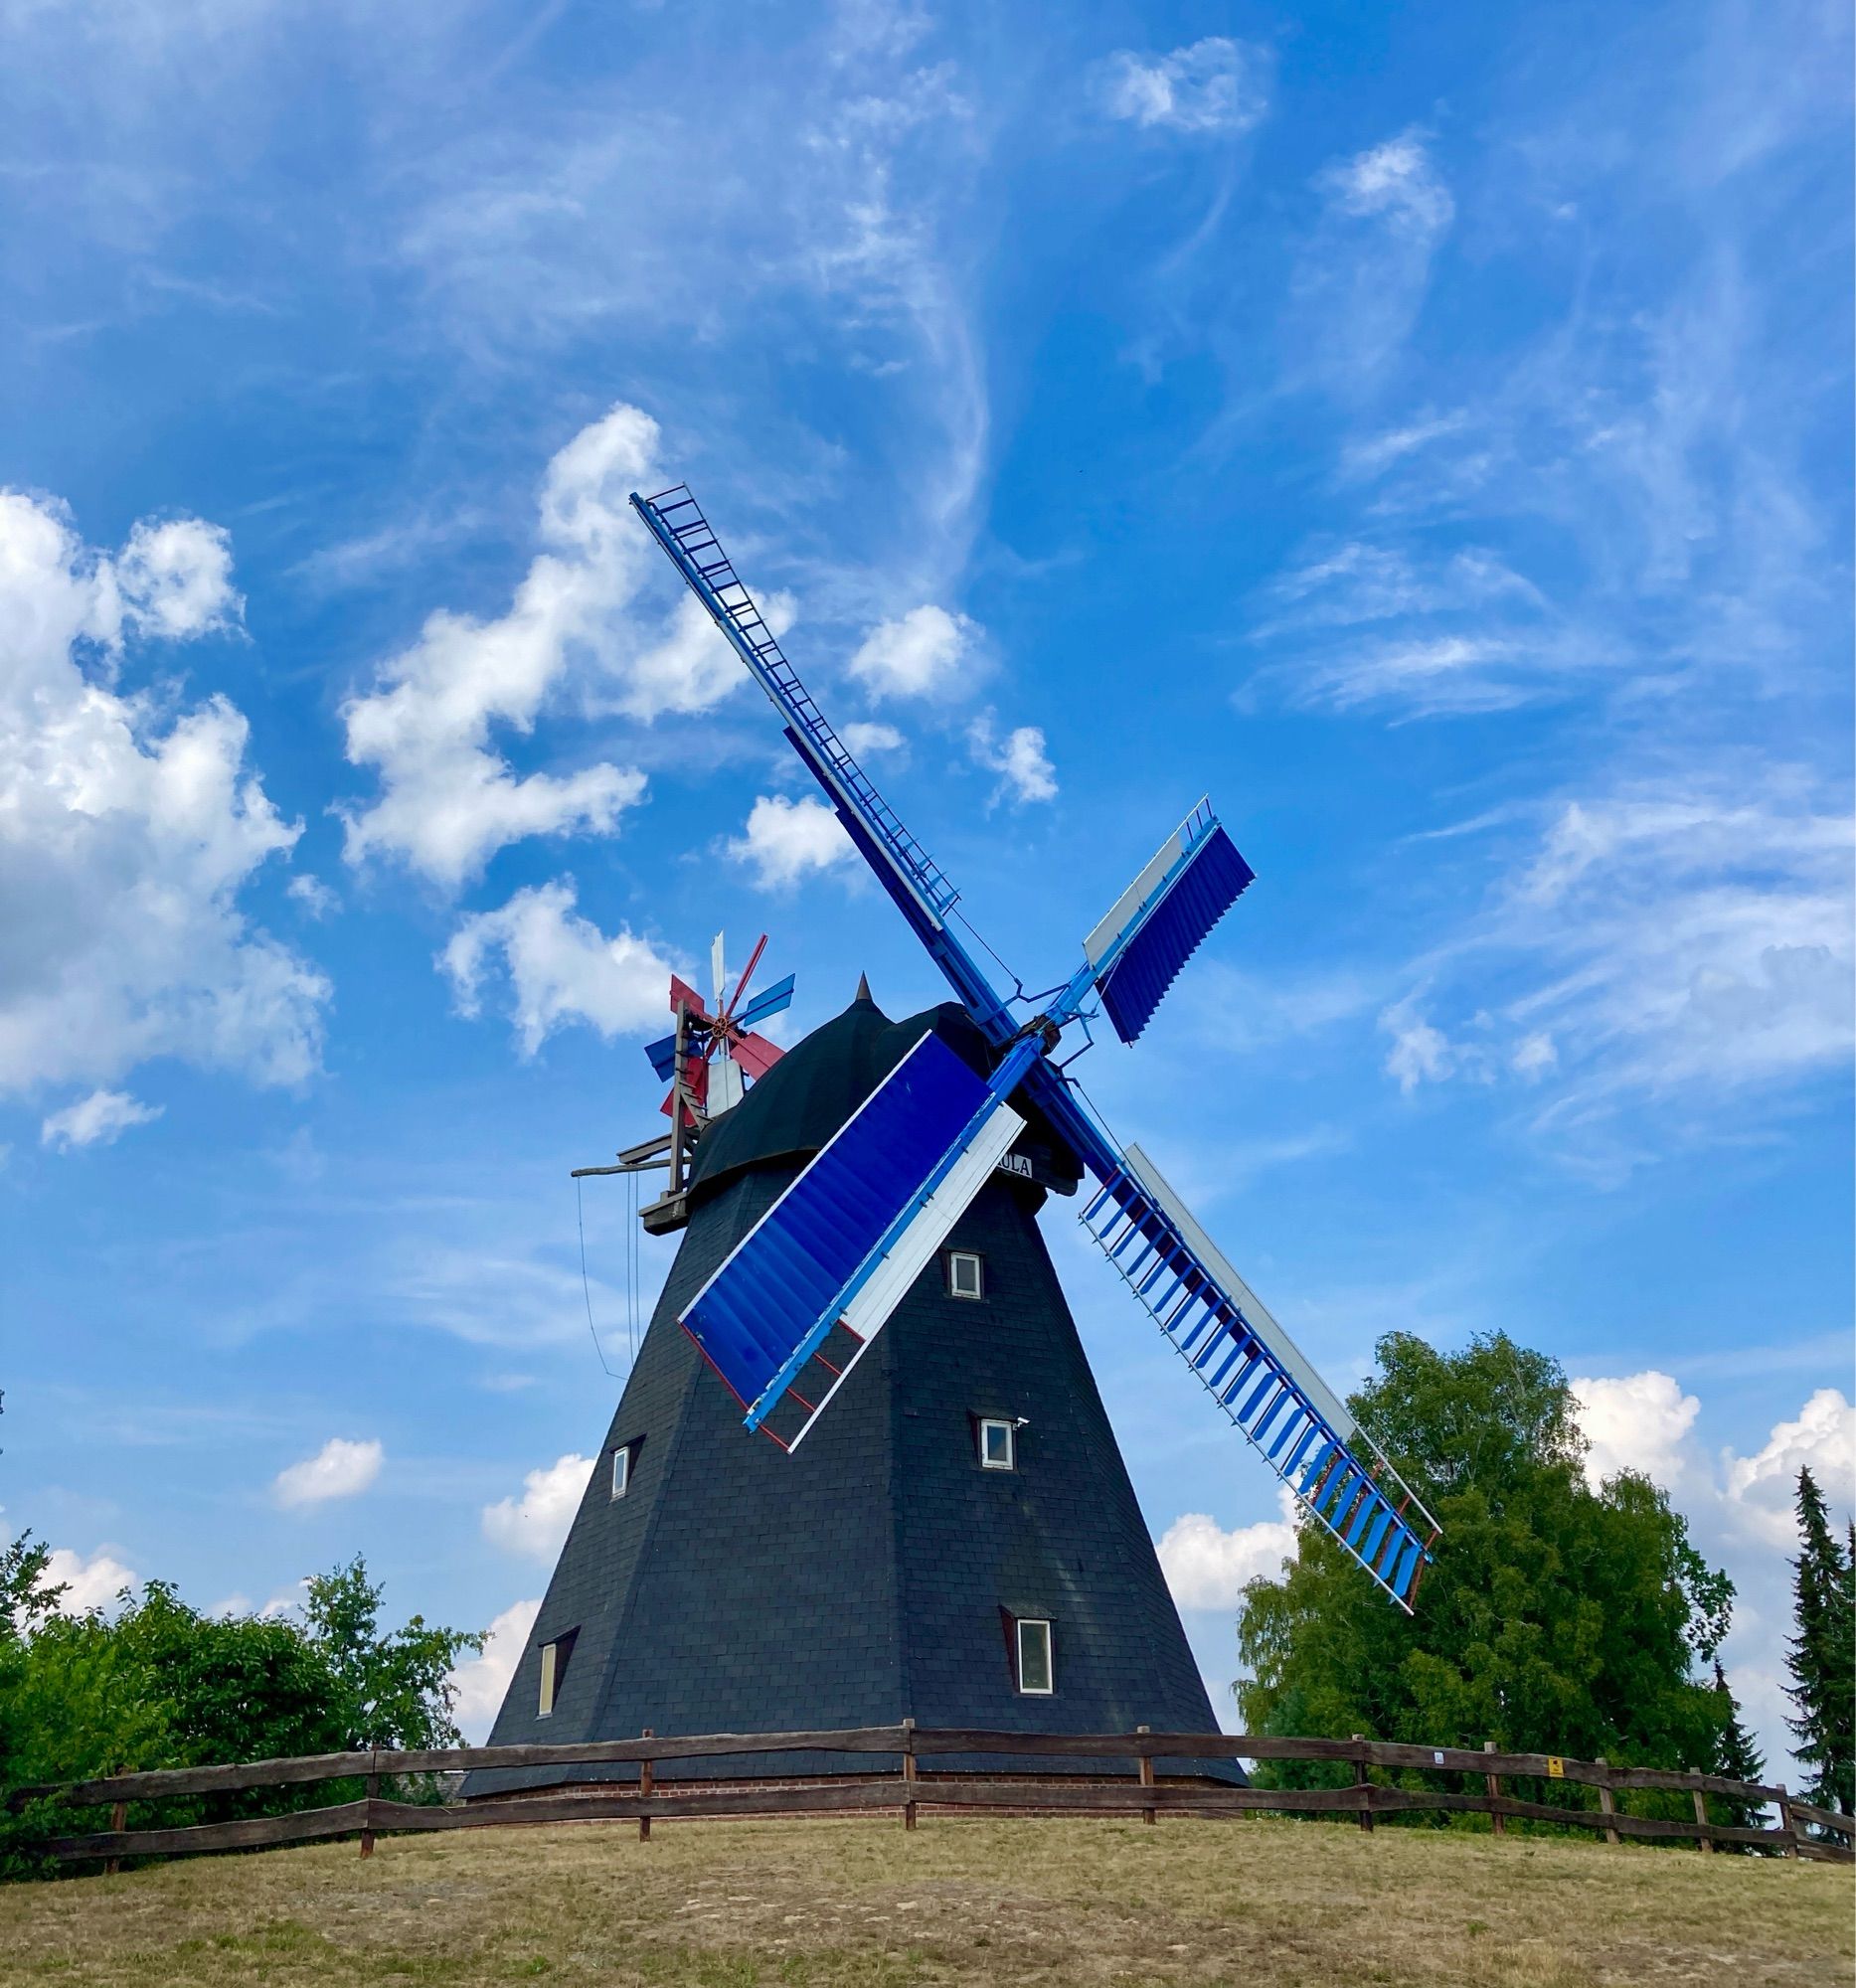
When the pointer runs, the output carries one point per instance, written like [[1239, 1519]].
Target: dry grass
[[834, 1904]]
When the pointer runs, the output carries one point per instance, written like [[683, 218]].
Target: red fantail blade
[[682, 995], [755, 1054]]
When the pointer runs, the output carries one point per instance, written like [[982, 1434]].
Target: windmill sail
[[1159, 920], [1258, 1375], [816, 1278]]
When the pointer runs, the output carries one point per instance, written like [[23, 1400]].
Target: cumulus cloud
[[918, 655], [90, 1581], [481, 1681], [100, 1118], [787, 840], [1420, 1054], [1021, 762], [175, 579], [560, 967], [1214, 85], [339, 1469], [1396, 181], [866, 737], [536, 1523], [1207, 1567], [1822, 1437], [449, 797], [313, 894], [130, 823], [1639, 1423], [692, 668]]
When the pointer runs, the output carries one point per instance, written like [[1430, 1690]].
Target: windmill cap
[[807, 1097]]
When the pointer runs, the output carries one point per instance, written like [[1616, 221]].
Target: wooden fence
[[914, 1786]]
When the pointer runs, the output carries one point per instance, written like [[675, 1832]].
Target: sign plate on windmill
[[1295, 1363]]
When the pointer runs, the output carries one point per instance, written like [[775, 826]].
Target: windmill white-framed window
[[966, 1275], [621, 1470], [1033, 1657], [998, 1443]]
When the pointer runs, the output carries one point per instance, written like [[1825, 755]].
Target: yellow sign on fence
[[1556, 1767]]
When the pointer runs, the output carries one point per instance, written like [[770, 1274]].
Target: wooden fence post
[[1608, 1802], [908, 1774], [119, 1820], [372, 1789], [1787, 1823], [1499, 1823], [1360, 1781], [648, 1780], [1701, 1819], [1147, 1774]]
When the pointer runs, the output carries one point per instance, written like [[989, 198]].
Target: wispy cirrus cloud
[[1212, 86]]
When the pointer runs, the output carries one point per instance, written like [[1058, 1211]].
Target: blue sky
[[1427, 431]]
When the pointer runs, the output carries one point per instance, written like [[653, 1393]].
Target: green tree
[[1822, 1653], [395, 1689], [1738, 1759], [1557, 1618]]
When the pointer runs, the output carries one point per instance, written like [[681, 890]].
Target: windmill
[[797, 1304], [938, 1525]]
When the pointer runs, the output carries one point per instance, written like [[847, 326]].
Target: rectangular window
[[997, 1443], [967, 1274], [554, 1657], [1034, 1657], [547, 1705], [621, 1470]]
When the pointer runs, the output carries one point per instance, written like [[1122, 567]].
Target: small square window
[[621, 1470], [1034, 1657], [998, 1444], [967, 1274]]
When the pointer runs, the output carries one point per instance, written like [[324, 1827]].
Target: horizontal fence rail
[[914, 1786]]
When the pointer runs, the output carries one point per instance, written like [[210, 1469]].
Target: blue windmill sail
[[1159, 920], [1258, 1375], [777, 997], [787, 1289], [815, 1279]]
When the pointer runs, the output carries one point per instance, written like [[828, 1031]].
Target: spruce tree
[[1822, 1657]]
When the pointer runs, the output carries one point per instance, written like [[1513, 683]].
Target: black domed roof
[[796, 1108]]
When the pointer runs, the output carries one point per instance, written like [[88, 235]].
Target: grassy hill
[[1262, 1903]]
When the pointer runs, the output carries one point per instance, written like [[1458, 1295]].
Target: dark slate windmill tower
[[940, 1526]]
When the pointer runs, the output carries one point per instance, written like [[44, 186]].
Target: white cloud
[[449, 797], [787, 840], [1206, 1567], [339, 1469], [561, 967], [129, 824], [1764, 1486], [1638, 1423], [1214, 85], [1022, 762], [918, 655], [536, 1523], [103, 1117], [866, 738], [1672, 943], [1396, 180], [91, 1582], [1363, 274], [1420, 1054], [315, 896], [175, 579], [481, 1681]]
